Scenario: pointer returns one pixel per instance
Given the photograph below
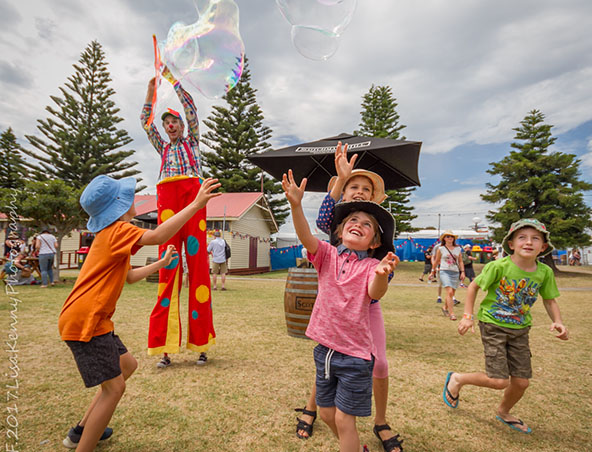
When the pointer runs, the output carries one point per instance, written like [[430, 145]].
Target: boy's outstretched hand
[[205, 192], [560, 327], [387, 265], [169, 255], [342, 166], [293, 192]]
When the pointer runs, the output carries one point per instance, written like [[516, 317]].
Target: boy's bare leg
[[328, 416], [111, 392], [457, 381], [311, 405], [128, 365], [512, 395], [349, 440]]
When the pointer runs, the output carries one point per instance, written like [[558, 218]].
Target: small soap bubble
[[317, 24]]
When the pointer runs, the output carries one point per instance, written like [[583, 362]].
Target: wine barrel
[[299, 299], [154, 276]]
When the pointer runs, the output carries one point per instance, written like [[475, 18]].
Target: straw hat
[[448, 232], [378, 195]]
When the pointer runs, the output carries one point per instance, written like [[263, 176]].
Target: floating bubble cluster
[[209, 54], [317, 24]]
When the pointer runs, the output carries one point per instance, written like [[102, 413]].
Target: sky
[[464, 74]]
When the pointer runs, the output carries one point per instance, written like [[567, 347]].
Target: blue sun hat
[[106, 199]]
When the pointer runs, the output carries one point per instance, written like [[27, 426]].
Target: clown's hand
[[166, 73]]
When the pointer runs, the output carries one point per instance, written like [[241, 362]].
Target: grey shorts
[[507, 352], [343, 381], [98, 359]]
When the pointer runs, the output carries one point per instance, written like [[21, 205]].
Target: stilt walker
[[179, 182]]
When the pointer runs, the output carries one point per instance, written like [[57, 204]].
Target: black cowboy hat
[[383, 217]]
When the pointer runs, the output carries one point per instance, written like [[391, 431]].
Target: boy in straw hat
[[351, 274], [357, 185], [513, 285], [85, 320]]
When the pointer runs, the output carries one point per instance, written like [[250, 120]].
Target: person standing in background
[[46, 246]]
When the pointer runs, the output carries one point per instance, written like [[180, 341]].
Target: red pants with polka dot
[[164, 335]]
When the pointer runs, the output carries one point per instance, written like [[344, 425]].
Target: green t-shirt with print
[[511, 292]]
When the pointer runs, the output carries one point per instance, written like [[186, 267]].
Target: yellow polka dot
[[166, 214], [202, 225], [202, 293], [161, 287]]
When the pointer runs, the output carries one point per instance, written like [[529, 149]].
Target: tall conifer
[[80, 137], [536, 183], [12, 164], [379, 118]]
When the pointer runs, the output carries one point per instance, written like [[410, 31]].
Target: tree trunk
[[548, 259]]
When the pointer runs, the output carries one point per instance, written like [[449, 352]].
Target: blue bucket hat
[[106, 199]]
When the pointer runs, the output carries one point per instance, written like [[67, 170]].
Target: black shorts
[[98, 359]]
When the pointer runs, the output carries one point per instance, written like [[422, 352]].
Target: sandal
[[445, 312], [452, 317], [305, 425], [389, 444]]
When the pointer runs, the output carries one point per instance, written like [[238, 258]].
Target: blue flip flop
[[445, 391], [513, 424]]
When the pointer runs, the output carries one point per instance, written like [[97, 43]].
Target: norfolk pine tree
[[81, 136], [380, 119], [536, 183], [235, 133], [12, 165]]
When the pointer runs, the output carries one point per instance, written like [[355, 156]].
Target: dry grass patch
[[242, 400]]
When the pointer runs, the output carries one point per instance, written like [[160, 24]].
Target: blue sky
[[464, 74]]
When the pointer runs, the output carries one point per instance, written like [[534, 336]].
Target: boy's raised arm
[[343, 169], [385, 267], [294, 193], [137, 274], [166, 230]]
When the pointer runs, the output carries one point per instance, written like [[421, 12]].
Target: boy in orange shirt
[[85, 321]]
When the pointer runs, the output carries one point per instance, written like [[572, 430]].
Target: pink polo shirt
[[340, 318]]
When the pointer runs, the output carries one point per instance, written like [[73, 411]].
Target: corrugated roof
[[236, 204]]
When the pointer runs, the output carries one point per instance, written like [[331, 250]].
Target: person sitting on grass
[[361, 185], [513, 285], [351, 274], [85, 320]]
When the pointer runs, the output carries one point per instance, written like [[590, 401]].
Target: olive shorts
[[507, 352]]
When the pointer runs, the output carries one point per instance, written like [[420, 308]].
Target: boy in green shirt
[[512, 284]]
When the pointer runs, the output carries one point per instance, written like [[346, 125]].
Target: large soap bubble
[[317, 24], [208, 54]]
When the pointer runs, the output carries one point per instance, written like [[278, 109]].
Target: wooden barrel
[[154, 276], [299, 299]]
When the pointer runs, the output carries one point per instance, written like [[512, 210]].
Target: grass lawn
[[242, 400]]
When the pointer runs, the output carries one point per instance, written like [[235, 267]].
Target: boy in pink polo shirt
[[351, 274]]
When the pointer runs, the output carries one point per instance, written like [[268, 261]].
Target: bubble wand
[[157, 66]]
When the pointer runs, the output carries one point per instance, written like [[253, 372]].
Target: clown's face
[[173, 127]]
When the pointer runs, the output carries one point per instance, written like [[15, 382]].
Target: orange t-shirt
[[88, 309]]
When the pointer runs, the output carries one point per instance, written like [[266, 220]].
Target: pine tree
[[379, 118], [81, 137], [536, 183], [236, 132], [12, 164]]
